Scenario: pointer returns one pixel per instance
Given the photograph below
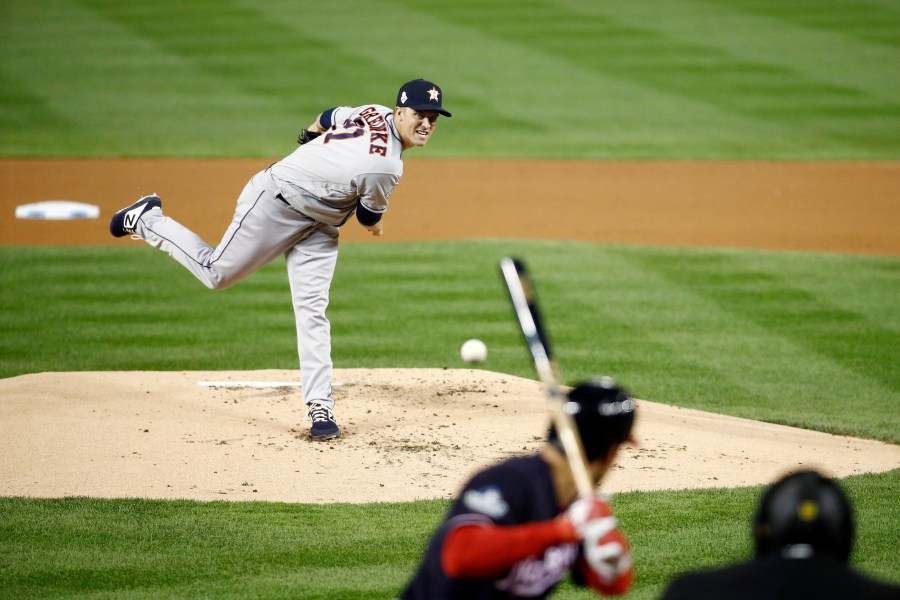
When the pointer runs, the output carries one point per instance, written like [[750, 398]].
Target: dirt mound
[[408, 434]]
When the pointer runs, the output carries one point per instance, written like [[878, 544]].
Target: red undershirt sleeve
[[481, 551]]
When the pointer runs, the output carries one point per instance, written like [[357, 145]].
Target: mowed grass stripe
[[137, 549], [724, 331], [264, 53], [720, 330], [156, 548], [702, 63], [576, 80], [779, 347]]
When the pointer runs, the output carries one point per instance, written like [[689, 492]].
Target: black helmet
[[805, 511], [603, 413]]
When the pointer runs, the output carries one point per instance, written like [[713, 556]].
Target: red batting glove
[[607, 559], [580, 513], [607, 565]]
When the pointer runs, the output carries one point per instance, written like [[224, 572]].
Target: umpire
[[515, 532], [803, 533]]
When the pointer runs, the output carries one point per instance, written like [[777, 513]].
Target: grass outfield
[[746, 79], [138, 549]]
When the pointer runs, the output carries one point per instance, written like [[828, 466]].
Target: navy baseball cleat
[[124, 221], [324, 427]]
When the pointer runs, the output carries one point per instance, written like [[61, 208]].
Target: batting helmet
[[807, 510], [603, 413]]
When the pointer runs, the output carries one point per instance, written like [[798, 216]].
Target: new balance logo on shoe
[[131, 218], [125, 221]]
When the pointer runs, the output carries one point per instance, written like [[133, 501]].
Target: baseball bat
[[524, 301]]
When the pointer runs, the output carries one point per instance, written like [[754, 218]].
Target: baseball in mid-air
[[473, 351]]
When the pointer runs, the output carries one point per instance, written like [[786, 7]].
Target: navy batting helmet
[[804, 511], [603, 413]]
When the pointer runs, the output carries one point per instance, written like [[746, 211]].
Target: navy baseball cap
[[420, 94]]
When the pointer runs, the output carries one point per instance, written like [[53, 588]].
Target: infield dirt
[[417, 433]]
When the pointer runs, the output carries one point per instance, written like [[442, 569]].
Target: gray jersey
[[357, 159], [295, 209]]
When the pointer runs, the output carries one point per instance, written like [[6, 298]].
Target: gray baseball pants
[[264, 227]]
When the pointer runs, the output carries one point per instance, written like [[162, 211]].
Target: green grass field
[[538, 78], [802, 339], [139, 549]]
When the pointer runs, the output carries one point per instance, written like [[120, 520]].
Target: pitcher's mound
[[407, 434]]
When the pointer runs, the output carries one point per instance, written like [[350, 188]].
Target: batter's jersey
[[517, 491], [357, 159]]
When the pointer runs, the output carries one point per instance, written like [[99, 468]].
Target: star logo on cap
[[433, 94]]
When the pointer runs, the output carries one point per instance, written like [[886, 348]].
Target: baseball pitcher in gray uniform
[[348, 163]]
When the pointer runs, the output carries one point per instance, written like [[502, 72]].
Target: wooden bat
[[524, 301]]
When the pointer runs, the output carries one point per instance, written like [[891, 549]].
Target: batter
[[518, 527], [348, 163]]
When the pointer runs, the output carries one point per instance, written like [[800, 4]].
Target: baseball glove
[[307, 136]]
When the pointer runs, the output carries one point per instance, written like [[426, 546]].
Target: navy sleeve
[[366, 216], [325, 118]]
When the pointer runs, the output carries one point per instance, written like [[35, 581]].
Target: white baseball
[[473, 351]]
